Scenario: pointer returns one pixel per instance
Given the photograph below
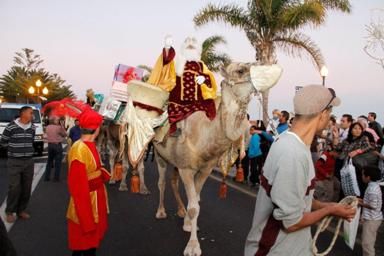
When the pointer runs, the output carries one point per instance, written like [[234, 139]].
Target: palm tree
[[25, 72], [27, 59], [210, 56], [271, 24]]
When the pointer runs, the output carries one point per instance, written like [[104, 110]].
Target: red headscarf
[[90, 119]]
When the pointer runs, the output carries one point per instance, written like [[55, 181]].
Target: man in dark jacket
[[19, 136], [375, 125]]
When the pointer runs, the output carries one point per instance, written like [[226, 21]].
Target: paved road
[[134, 231]]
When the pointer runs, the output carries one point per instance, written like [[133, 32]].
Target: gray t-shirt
[[286, 192]]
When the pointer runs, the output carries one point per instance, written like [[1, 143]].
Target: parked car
[[9, 111]]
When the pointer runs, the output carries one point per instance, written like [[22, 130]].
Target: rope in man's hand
[[349, 200]]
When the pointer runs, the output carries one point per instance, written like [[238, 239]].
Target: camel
[[109, 140], [202, 143]]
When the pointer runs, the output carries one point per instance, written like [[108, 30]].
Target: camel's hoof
[[112, 182], [123, 187], [161, 214], [192, 249], [144, 191], [181, 213]]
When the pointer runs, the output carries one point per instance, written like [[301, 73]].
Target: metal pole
[[37, 95], [323, 80]]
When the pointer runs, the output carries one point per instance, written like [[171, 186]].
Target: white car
[[9, 111]]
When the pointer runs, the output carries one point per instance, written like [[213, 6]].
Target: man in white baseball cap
[[285, 208], [314, 99]]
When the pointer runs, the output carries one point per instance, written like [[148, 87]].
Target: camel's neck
[[232, 113]]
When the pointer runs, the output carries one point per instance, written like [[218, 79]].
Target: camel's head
[[241, 81], [237, 78], [236, 92]]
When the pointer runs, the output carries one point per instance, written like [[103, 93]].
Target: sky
[[84, 40]]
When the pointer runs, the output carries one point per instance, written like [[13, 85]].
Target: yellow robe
[[163, 76]]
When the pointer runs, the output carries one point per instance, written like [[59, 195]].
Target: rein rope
[[349, 200]]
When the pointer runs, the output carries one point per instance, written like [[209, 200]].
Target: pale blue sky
[[84, 40]]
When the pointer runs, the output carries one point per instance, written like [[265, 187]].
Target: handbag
[[349, 183], [365, 159]]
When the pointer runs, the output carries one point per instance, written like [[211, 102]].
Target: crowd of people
[[359, 139]]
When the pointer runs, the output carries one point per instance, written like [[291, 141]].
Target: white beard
[[184, 56]]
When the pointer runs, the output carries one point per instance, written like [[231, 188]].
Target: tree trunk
[[265, 55], [265, 99]]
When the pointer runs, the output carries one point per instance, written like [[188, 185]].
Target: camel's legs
[[143, 188], [123, 183], [181, 212], [200, 179], [112, 157], [162, 168], [193, 209]]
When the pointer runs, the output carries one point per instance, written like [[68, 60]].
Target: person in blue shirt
[[75, 132], [255, 156], [282, 127]]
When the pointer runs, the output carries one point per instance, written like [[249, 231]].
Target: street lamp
[[32, 90], [324, 73], [38, 83]]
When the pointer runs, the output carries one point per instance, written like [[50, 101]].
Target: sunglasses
[[333, 93]]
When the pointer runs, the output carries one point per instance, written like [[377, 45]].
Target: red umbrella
[[64, 107]]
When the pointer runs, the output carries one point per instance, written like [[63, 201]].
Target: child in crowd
[[255, 156], [372, 214]]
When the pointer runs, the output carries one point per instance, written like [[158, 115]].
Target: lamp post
[[32, 90], [324, 73]]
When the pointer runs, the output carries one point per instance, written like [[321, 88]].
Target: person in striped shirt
[[18, 136], [372, 214]]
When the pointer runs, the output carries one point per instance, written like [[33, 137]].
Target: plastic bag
[[350, 229], [349, 183]]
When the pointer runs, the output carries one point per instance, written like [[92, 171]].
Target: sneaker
[[24, 215], [10, 218]]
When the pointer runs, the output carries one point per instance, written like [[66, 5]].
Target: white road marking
[[234, 186]]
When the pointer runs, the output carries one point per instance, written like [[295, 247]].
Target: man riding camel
[[192, 86]]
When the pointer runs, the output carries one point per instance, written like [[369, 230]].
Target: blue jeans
[[55, 153]]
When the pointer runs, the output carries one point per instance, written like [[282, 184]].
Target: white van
[[9, 111]]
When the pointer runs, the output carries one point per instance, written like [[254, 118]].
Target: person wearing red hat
[[88, 205]]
